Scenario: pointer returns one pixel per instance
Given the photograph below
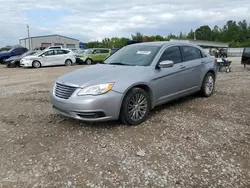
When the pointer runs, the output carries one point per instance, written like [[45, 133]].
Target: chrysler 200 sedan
[[134, 80]]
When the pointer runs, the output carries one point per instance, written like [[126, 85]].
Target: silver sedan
[[133, 81]]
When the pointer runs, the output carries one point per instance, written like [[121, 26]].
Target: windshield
[[11, 49], [247, 50], [134, 55], [81, 52]]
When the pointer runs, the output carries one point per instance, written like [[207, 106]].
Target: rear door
[[104, 54], [60, 57], [192, 67]]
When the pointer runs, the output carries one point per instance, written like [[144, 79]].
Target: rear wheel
[[68, 62], [36, 64], [207, 87], [135, 107]]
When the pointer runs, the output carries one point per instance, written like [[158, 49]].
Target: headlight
[[96, 89], [13, 61]]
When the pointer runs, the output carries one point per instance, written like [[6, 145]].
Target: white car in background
[[49, 57]]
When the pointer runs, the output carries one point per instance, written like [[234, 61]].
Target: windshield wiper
[[118, 63]]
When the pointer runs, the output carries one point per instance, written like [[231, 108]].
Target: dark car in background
[[245, 59], [17, 50], [14, 61]]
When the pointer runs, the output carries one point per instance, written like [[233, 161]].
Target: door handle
[[202, 62]]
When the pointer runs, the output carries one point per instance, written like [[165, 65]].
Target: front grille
[[64, 91]]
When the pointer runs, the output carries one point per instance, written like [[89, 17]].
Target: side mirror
[[42, 55], [166, 64]]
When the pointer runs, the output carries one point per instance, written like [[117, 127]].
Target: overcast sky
[[96, 19]]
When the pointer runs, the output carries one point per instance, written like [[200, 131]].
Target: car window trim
[[158, 61], [191, 47]]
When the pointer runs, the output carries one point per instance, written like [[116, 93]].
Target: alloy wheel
[[137, 107], [209, 84]]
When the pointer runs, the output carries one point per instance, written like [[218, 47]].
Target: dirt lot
[[193, 142]]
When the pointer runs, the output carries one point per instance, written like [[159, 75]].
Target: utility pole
[[28, 30]]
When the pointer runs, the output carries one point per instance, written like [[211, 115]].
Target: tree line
[[236, 33]]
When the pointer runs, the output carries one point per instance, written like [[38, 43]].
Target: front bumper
[[26, 63], [79, 60], [89, 108]]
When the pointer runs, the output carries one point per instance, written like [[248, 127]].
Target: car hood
[[13, 58], [30, 57], [4, 53], [101, 73]]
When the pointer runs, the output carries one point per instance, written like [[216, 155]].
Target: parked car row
[[49, 57]]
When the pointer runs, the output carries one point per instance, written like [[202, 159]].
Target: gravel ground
[[192, 142]]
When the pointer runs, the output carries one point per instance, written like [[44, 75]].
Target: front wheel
[[135, 107], [207, 87], [36, 64], [88, 61]]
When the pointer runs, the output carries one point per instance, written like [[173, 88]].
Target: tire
[[36, 64], [68, 62], [207, 88], [88, 61], [2, 60], [131, 113]]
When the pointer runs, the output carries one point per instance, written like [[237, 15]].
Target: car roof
[[98, 49], [163, 43]]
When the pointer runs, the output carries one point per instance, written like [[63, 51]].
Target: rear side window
[[172, 53], [203, 54], [247, 50], [61, 52], [190, 53]]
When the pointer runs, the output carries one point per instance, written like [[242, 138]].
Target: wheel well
[[68, 59], [211, 71], [37, 61], [145, 88]]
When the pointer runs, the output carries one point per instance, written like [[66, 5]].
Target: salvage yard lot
[[193, 142]]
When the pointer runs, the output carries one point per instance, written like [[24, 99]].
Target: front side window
[[97, 51], [49, 53], [173, 54], [190, 53], [134, 55]]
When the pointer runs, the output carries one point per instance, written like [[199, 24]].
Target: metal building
[[49, 40]]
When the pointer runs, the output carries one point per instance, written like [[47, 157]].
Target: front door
[[168, 82], [97, 56], [48, 58]]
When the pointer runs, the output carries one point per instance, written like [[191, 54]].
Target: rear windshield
[[247, 50]]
